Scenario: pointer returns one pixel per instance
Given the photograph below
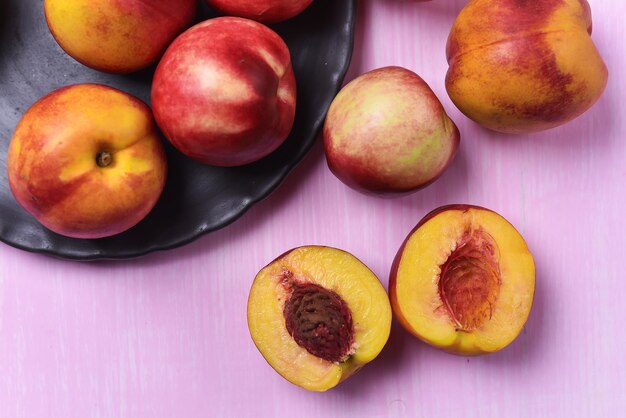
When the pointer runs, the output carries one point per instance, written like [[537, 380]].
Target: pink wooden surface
[[166, 335]]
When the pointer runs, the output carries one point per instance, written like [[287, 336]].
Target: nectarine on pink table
[[387, 133], [524, 66], [225, 92], [86, 161]]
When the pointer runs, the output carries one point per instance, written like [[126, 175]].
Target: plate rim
[[247, 202]]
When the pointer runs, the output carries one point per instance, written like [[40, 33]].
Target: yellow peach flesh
[[334, 270], [416, 297]]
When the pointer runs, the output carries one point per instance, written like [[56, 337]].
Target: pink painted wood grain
[[166, 335]]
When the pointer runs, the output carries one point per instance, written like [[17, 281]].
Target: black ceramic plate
[[197, 198]]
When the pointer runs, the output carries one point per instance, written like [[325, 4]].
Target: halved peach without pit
[[463, 280], [317, 315]]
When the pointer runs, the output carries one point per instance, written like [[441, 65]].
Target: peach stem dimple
[[104, 159]]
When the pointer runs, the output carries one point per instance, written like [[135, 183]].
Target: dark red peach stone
[[319, 321], [469, 282]]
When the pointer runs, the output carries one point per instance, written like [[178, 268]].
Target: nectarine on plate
[[87, 161], [197, 198], [117, 36], [224, 93]]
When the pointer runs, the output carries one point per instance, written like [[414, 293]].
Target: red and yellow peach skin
[[225, 92], [86, 161], [524, 66], [387, 133], [117, 36]]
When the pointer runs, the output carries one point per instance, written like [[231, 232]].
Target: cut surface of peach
[[463, 280], [318, 314]]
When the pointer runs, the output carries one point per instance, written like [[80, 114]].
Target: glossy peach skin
[[53, 165], [387, 133], [338, 272], [265, 11], [524, 66], [416, 289], [117, 36], [225, 92]]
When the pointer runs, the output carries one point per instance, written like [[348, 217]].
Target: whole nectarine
[[387, 133], [225, 92], [86, 161], [524, 66], [118, 36]]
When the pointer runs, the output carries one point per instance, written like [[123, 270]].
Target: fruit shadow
[[400, 350], [586, 134], [204, 12]]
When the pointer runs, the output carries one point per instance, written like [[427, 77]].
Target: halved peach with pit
[[463, 280], [317, 315]]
